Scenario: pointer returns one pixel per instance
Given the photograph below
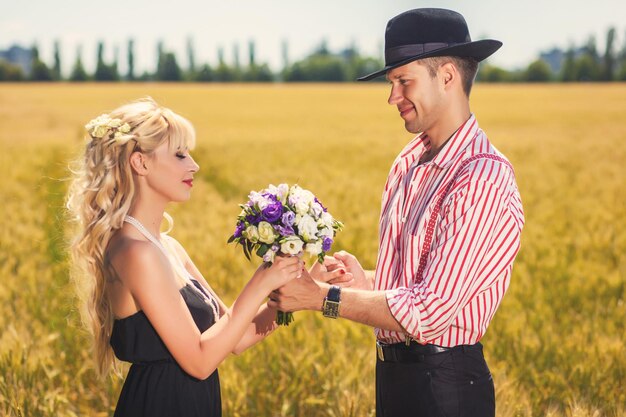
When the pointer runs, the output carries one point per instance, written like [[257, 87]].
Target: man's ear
[[449, 75], [138, 163]]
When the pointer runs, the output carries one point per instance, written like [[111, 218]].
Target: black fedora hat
[[424, 33]]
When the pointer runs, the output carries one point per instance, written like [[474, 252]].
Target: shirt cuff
[[403, 309]]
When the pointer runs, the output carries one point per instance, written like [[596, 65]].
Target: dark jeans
[[455, 383]]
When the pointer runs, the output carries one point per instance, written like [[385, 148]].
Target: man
[[449, 231]]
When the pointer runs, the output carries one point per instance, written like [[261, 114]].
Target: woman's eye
[[181, 156]]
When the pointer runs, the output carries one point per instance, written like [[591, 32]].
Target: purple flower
[[289, 218], [326, 244], [240, 227], [253, 218], [284, 230], [320, 203], [273, 211]]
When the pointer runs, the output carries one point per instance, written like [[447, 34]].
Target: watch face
[[331, 309]]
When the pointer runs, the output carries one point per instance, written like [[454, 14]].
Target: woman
[[145, 300]]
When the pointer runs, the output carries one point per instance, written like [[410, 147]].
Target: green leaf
[[231, 239], [262, 250]]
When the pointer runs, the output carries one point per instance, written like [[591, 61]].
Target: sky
[[526, 27]]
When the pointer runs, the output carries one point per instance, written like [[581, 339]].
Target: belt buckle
[[379, 351]]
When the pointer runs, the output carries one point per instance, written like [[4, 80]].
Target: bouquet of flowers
[[284, 220]]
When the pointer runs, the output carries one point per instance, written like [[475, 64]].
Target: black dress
[[156, 385]]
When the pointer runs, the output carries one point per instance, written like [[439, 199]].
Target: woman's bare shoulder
[[131, 256]]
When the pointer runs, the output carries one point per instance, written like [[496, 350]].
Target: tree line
[[321, 65], [577, 63]]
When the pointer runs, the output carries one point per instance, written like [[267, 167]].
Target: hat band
[[398, 53]]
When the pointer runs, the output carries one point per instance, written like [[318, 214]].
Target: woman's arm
[[149, 278], [263, 324]]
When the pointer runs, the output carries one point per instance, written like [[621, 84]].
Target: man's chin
[[410, 128]]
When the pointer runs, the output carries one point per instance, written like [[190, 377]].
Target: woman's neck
[[150, 216]]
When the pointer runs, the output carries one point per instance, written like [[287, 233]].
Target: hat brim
[[479, 50]]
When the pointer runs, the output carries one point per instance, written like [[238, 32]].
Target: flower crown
[[104, 125]]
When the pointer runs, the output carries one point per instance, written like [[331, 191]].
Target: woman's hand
[[333, 271], [279, 273], [361, 279]]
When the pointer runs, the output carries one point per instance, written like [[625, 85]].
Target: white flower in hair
[[104, 125]]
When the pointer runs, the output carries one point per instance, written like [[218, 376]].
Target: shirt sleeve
[[476, 240]]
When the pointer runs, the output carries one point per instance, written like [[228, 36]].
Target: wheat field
[[555, 347]]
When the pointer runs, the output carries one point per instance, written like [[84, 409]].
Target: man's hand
[[302, 293]]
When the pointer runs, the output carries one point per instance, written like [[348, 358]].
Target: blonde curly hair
[[102, 192]]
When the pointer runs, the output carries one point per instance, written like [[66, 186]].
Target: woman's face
[[170, 172]]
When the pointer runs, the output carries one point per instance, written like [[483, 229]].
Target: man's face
[[418, 96]]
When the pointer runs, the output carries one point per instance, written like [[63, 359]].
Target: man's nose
[[394, 96]]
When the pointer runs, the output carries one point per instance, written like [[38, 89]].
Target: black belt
[[415, 352]]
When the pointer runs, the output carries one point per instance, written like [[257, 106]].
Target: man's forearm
[[368, 307]]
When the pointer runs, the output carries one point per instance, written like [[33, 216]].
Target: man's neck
[[445, 128]]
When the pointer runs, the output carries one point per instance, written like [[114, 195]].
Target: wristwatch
[[330, 308]]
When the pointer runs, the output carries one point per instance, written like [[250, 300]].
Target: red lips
[[189, 182]]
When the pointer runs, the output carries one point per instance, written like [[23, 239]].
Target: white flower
[[100, 131], [301, 207], [291, 246], [327, 219], [313, 248], [327, 232], [103, 125], [281, 191], [251, 233], [114, 123], [269, 256], [316, 209], [266, 233], [258, 200], [307, 227]]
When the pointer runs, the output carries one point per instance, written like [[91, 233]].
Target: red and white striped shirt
[[475, 241]]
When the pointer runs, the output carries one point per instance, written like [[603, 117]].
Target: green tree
[[56, 69], [191, 59], [131, 60], [588, 66], [568, 71], [160, 53], [104, 72], [318, 67], [205, 74], [224, 73], [587, 69], [39, 70], [493, 74], [622, 58], [10, 72], [538, 71], [169, 71], [608, 69], [258, 73], [251, 54], [285, 55], [78, 72]]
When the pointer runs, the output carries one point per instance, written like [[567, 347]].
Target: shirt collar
[[457, 143]]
